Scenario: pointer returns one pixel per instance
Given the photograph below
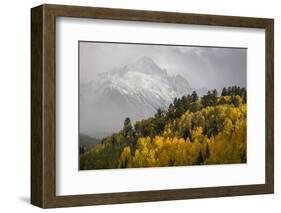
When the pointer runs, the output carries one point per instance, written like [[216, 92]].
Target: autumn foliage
[[193, 131]]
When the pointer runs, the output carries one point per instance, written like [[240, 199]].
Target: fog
[[202, 67]]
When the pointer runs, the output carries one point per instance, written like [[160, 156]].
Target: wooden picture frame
[[43, 105]]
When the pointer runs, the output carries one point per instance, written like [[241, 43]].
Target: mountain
[[136, 90], [87, 142]]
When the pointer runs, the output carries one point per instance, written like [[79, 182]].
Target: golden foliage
[[125, 157], [213, 135]]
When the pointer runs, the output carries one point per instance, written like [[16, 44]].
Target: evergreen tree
[[224, 92], [159, 120], [200, 159], [127, 129], [194, 96], [214, 93], [244, 94]]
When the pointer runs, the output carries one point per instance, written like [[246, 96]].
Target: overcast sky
[[203, 67]]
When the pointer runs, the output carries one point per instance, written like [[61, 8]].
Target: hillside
[[86, 142], [192, 131]]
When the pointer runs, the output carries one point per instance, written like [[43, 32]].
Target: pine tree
[[194, 96], [224, 92], [159, 121], [127, 129], [199, 160]]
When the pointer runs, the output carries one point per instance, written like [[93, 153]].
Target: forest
[[194, 130]]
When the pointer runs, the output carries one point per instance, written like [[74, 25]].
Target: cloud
[[208, 67]]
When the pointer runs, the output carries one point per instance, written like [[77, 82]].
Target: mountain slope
[[193, 131], [136, 90], [87, 142]]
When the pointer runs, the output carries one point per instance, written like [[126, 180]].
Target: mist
[[202, 67]]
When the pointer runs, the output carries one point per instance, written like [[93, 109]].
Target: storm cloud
[[202, 67]]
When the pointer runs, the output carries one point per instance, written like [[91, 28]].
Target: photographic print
[[110, 98], [158, 105]]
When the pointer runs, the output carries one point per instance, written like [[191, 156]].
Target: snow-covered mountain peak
[[146, 62], [135, 90], [146, 65]]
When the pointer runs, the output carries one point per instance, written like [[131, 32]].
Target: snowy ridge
[[136, 90]]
